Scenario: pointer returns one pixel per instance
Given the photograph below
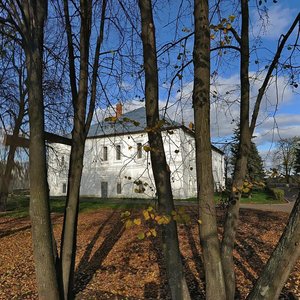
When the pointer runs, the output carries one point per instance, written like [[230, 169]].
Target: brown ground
[[113, 264]]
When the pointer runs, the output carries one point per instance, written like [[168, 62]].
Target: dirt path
[[285, 207]]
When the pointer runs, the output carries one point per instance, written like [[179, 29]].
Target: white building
[[117, 160]]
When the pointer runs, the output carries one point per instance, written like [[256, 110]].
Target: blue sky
[[280, 110]]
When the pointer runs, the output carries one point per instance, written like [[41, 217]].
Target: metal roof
[[131, 122]]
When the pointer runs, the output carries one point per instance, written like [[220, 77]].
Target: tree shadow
[[152, 290], [8, 232], [88, 265], [13, 231]]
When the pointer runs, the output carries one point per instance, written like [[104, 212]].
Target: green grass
[[257, 197], [18, 206], [261, 197]]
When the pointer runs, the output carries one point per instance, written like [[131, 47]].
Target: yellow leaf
[[146, 215], [128, 224], [228, 26], [125, 214], [147, 148], [234, 189], [157, 218], [153, 232], [231, 18], [150, 208], [166, 219], [246, 190], [141, 236], [212, 36], [137, 221], [199, 221], [152, 216]]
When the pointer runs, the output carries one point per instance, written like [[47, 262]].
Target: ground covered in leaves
[[112, 263]]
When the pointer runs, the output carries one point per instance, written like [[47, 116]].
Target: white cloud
[[275, 23], [225, 107]]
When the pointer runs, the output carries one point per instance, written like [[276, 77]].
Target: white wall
[[129, 169]]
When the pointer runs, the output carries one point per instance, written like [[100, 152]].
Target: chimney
[[191, 126], [119, 110]]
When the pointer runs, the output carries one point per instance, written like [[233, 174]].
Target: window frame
[[105, 153], [118, 152], [119, 188], [139, 153]]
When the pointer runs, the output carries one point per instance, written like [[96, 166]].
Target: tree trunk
[[240, 170], [82, 123], [6, 178], [160, 168], [214, 279], [282, 260], [39, 193], [69, 233]]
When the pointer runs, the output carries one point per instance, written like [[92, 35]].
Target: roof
[[131, 122]]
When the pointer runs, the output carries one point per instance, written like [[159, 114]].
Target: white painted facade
[[118, 166]]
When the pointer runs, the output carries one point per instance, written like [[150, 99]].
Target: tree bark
[[282, 260], [245, 142], [160, 168], [240, 170], [47, 283], [6, 178], [201, 102], [79, 133]]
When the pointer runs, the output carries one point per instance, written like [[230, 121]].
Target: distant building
[[117, 159]]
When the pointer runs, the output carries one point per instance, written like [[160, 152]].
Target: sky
[[280, 110]]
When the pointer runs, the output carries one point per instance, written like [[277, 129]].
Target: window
[[118, 152], [139, 150], [105, 153], [119, 188], [64, 188]]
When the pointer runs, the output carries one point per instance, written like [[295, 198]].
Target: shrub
[[278, 194]]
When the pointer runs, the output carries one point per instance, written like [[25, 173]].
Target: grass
[[18, 206], [257, 197]]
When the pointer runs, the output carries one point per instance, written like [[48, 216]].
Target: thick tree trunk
[[82, 121], [39, 193], [282, 260], [240, 170], [69, 233], [214, 279], [6, 178], [160, 168]]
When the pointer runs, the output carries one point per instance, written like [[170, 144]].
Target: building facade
[[117, 160]]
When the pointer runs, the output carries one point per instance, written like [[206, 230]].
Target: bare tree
[[160, 168], [205, 187], [83, 113], [285, 156], [13, 107], [246, 131], [28, 19]]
